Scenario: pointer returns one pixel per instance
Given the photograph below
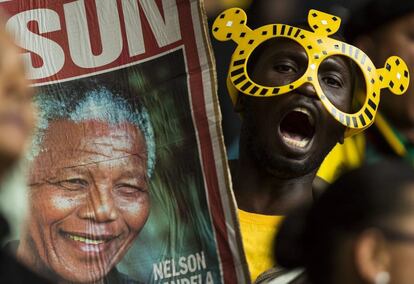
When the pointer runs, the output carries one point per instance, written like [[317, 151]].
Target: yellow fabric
[[258, 234], [343, 157]]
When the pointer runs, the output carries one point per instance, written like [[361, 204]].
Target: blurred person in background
[[360, 231], [380, 28], [17, 120]]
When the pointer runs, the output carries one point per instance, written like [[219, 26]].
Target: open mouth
[[297, 128]]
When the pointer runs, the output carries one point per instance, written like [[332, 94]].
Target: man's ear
[[371, 255], [239, 106]]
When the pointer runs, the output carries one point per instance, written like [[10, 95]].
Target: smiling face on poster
[[89, 213], [88, 196]]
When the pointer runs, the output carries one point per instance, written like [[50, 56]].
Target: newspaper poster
[[127, 179]]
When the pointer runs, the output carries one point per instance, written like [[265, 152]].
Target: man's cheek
[[136, 214], [61, 203], [46, 202]]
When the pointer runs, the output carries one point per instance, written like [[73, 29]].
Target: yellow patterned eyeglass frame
[[231, 25]]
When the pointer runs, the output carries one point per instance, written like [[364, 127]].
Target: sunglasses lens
[[277, 62]]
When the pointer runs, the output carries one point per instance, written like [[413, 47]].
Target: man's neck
[[258, 191]]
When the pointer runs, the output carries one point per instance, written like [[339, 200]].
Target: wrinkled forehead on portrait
[[100, 128]]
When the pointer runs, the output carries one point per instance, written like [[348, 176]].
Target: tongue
[[296, 126]]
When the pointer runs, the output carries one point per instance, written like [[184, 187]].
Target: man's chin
[[290, 171], [85, 274], [288, 168]]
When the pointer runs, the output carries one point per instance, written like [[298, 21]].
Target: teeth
[[305, 111], [85, 240], [296, 143]]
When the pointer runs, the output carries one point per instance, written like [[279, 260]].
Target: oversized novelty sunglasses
[[231, 25]]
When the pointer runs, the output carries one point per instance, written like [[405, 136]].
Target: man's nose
[[100, 206], [307, 89]]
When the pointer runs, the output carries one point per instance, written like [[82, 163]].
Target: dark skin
[[274, 174]]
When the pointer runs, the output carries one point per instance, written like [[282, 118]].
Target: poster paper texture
[[127, 176]]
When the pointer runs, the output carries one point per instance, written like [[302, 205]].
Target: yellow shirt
[[258, 234]]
